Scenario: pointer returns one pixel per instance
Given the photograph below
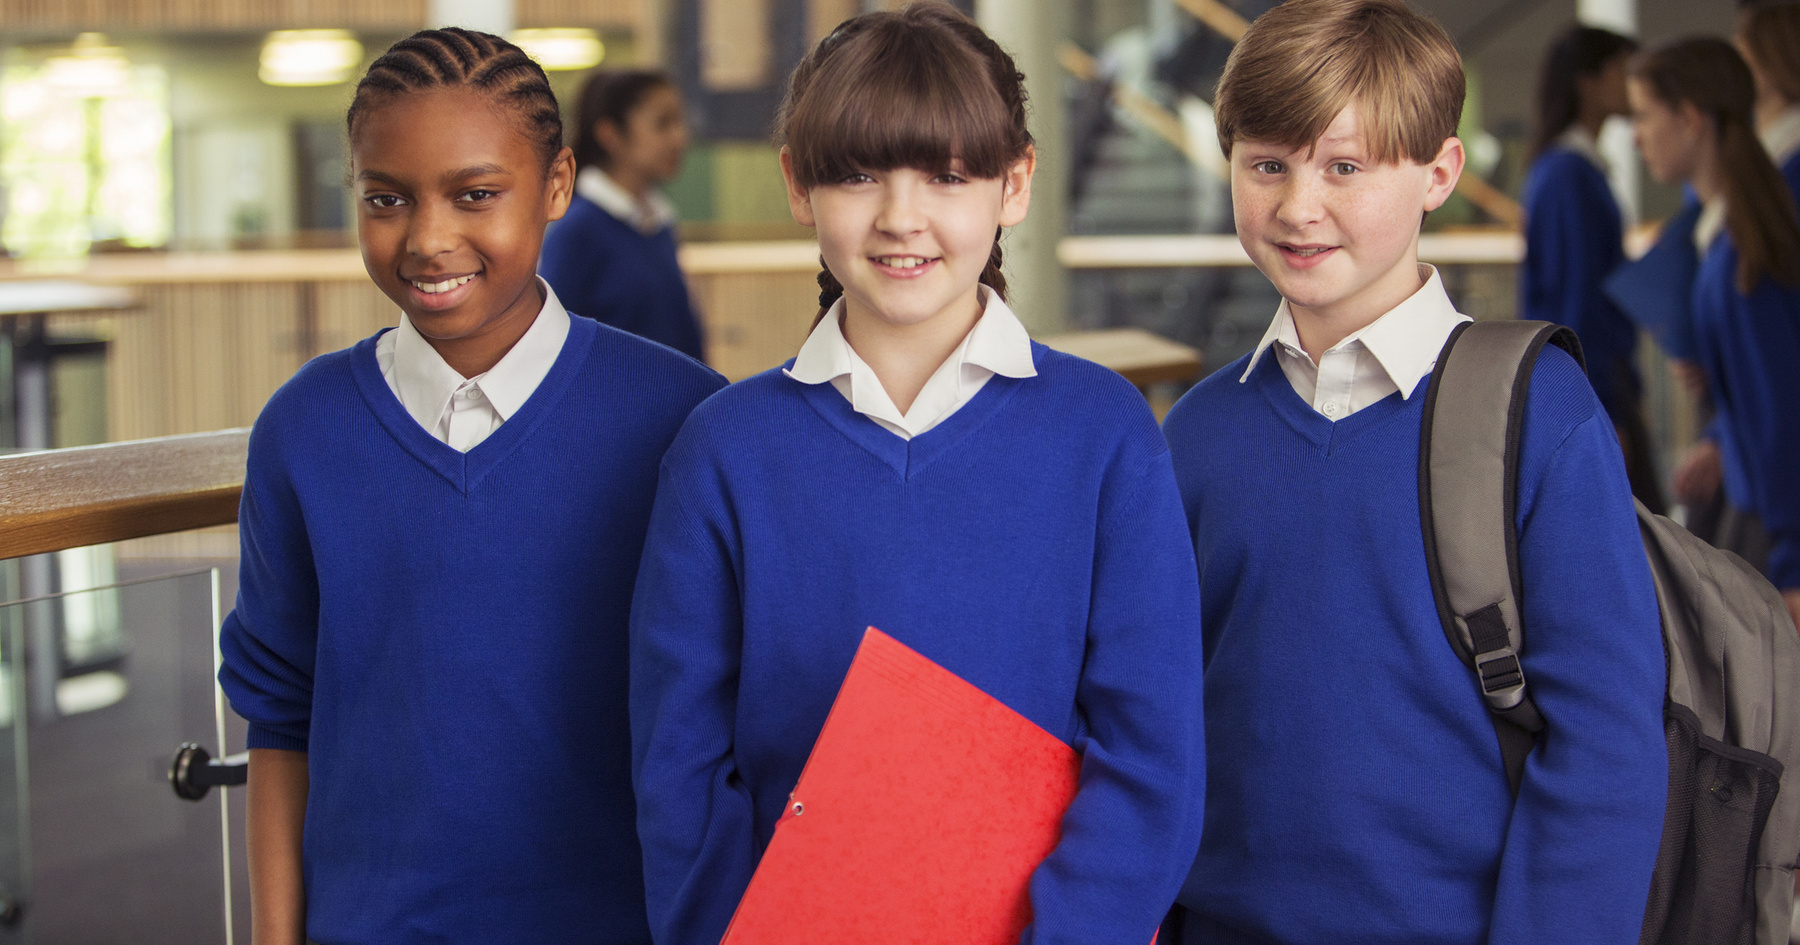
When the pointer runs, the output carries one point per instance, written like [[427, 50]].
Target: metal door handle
[[193, 772]]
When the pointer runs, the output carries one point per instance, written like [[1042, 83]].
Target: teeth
[[433, 288], [1309, 252], [902, 262]]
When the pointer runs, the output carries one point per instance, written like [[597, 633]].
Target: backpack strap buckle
[[1498, 667]]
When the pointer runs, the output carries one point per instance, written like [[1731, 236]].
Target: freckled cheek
[[1251, 209]]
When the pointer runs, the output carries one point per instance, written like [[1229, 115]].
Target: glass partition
[[93, 840]]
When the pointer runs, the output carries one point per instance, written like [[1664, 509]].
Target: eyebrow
[[473, 170]]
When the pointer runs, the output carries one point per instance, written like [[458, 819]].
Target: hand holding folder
[[922, 811]]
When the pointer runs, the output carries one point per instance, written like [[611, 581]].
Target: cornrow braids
[[458, 58]]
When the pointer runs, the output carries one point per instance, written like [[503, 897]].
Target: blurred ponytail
[[1759, 209]]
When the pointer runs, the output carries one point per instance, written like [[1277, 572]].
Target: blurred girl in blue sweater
[[1769, 38], [1574, 236], [924, 467], [1693, 104], [612, 257]]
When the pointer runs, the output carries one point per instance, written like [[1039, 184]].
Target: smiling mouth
[[435, 288], [902, 262], [1305, 252]]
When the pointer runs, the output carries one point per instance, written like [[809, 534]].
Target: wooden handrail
[[90, 495]]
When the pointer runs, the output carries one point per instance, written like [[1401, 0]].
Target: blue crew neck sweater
[[445, 635], [603, 268], [1031, 544], [1355, 791], [1573, 240], [1750, 348]]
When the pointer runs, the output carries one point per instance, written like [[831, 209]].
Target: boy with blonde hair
[[1355, 788]]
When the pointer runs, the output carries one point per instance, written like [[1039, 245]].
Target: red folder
[[920, 815]]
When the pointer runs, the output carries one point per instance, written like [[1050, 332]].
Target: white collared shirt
[[651, 215], [1577, 139], [1781, 137], [464, 411], [1709, 225], [1393, 353], [998, 344]]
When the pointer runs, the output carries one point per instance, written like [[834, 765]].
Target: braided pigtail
[[992, 275], [830, 290]]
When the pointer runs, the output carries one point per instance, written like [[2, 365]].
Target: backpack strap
[[1468, 505]]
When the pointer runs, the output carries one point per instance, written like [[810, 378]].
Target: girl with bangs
[[921, 466], [1693, 105]]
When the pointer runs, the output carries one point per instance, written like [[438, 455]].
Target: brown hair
[[921, 88], [1304, 61], [610, 97], [459, 58], [1581, 52], [1770, 35], [1759, 211]]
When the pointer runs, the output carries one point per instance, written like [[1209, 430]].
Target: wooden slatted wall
[[206, 15]]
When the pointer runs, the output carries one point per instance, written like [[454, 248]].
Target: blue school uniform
[[604, 267], [1750, 348], [1031, 543], [1573, 240], [1355, 790], [444, 635]]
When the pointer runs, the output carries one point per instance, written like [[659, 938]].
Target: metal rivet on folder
[[799, 808]]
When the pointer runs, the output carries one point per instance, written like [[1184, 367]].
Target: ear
[[1015, 195], [559, 185], [799, 198], [1443, 173], [610, 136], [1696, 123]]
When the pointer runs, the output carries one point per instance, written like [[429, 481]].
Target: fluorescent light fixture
[[309, 57], [560, 48], [92, 69]]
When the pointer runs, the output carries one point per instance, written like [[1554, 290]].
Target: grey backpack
[[1731, 834]]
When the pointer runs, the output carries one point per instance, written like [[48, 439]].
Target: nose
[[902, 213], [431, 230], [1300, 201]]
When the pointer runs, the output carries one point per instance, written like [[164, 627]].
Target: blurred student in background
[[1693, 103], [612, 258], [1574, 234], [1769, 38]]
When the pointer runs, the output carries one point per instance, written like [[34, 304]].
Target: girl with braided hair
[[441, 527], [924, 467]]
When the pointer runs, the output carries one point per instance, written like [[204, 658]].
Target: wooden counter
[[94, 494], [217, 333]]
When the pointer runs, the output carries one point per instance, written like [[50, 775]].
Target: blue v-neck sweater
[[444, 635], [1355, 791], [1032, 544], [602, 267], [1750, 348], [1573, 240]]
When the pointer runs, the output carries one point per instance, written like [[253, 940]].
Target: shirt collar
[[651, 215], [426, 382], [1709, 225], [998, 342], [1578, 140], [1782, 136], [1405, 341]]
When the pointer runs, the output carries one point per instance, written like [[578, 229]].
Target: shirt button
[[1331, 409], [473, 393]]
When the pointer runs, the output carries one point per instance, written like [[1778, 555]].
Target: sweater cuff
[[264, 737]]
